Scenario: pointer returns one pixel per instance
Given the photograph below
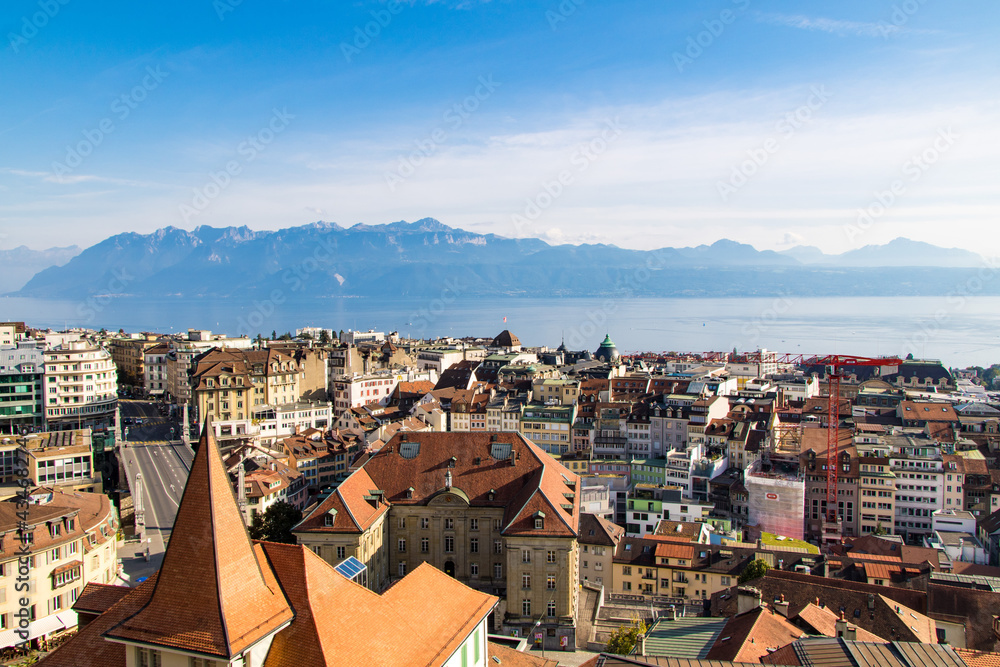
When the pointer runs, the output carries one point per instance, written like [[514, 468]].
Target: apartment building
[[155, 369], [180, 359], [599, 538], [21, 387], [58, 459], [129, 355], [72, 539], [229, 384], [80, 387], [548, 426]]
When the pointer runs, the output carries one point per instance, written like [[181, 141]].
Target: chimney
[[782, 607], [512, 460], [846, 630], [640, 648], [747, 599]]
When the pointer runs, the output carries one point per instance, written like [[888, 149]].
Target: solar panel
[[409, 450], [500, 450], [350, 567]]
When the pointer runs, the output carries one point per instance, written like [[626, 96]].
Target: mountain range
[[426, 259], [17, 266]]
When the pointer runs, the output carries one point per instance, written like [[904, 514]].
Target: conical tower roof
[[212, 596]]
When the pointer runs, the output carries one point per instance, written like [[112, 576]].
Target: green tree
[[624, 638], [285, 336], [276, 523], [274, 335], [879, 529], [324, 336], [754, 570], [306, 336]]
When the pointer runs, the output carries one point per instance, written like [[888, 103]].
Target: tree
[[285, 336], [276, 523], [306, 336], [754, 570], [624, 638], [324, 336], [879, 529], [274, 335]]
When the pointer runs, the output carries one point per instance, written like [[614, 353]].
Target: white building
[[155, 369], [80, 386]]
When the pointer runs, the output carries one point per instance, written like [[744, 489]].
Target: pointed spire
[[211, 596]]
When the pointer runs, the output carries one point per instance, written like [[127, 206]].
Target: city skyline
[[572, 122]]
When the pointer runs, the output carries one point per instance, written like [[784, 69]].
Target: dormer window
[[491, 494], [539, 520], [409, 492]]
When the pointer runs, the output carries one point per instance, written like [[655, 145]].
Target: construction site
[[776, 486]]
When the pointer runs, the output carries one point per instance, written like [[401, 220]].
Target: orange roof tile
[[211, 597]]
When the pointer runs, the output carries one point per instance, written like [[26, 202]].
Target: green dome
[[607, 352]]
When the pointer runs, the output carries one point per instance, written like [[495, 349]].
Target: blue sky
[[835, 124]]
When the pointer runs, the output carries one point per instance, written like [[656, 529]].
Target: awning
[[67, 567], [41, 626]]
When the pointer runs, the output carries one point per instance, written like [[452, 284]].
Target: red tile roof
[[536, 483], [212, 596]]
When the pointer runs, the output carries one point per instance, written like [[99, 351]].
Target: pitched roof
[[598, 530], [748, 637], [212, 597], [535, 483], [824, 621], [507, 657], [421, 620], [98, 598]]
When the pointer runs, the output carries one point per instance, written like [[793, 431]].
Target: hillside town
[[496, 503]]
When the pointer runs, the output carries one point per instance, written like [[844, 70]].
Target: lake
[[960, 331]]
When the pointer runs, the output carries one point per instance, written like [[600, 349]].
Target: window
[[402, 569], [551, 610], [627, 570], [402, 545], [550, 557], [147, 657], [550, 582], [526, 580], [425, 523], [402, 522], [474, 569], [474, 545], [539, 524], [449, 524], [473, 524], [525, 607], [449, 544], [498, 570], [425, 545], [497, 547], [341, 552], [497, 524], [526, 556], [626, 585]]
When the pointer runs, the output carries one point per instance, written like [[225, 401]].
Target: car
[[138, 421]]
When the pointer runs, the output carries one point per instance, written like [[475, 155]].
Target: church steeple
[[212, 596]]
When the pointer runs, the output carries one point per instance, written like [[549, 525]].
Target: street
[[164, 465]]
